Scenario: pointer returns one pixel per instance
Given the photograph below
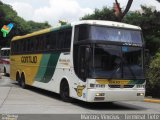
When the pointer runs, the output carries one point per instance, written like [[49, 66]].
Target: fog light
[[140, 94], [100, 94]]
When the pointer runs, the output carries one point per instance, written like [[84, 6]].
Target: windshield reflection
[[115, 62]]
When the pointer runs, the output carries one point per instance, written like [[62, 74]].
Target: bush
[[153, 77]]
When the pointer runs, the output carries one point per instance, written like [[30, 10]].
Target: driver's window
[[81, 59]]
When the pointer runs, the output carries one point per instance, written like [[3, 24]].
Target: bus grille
[[119, 86]]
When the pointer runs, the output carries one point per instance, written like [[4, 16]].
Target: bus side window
[[31, 45], [48, 46], [23, 44], [67, 42], [36, 44], [26, 49], [53, 40], [44, 39], [18, 47], [14, 47], [61, 39], [28, 45], [41, 43]]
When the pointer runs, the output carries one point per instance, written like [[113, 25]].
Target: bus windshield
[[88, 32], [117, 62]]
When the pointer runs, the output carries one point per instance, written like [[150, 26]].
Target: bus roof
[[107, 23], [43, 31], [5, 48], [90, 22]]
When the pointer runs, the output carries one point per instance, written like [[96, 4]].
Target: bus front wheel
[[64, 91]]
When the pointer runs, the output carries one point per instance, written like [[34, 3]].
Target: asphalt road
[[15, 100]]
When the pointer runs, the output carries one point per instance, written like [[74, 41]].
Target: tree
[[149, 21], [21, 26], [153, 76], [37, 26], [121, 13], [104, 14], [110, 14]]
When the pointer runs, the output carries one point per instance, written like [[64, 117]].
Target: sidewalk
[[152, 100]]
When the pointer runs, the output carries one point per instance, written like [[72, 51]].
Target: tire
[[64, 92], [4, 71], [18, 79], [22, 81]]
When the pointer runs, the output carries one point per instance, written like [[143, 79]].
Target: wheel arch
[[64, 79]]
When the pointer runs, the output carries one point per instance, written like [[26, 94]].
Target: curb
[[152, 100]]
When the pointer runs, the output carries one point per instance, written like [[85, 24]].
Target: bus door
[[83, 58]]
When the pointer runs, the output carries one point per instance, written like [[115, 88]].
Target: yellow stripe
[[32, 34], [112, 82]]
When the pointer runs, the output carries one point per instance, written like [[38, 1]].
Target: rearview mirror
[[87, 54]]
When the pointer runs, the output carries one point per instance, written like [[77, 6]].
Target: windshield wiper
[[113, 73]]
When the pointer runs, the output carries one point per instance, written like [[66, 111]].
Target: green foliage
[[153, 76], [34, 26], [21, 26], [149, 21], [104, 14]]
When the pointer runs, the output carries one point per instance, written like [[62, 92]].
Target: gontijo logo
[[6, 29]]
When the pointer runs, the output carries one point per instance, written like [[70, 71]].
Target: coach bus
[[4, 60], [92, 60]]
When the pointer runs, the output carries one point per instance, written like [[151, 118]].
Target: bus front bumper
[[95, 95]]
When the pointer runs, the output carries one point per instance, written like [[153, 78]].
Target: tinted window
[[53, 40], [56, 40], [104, 33], [67, 42], [61, 39], [82, 32]]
